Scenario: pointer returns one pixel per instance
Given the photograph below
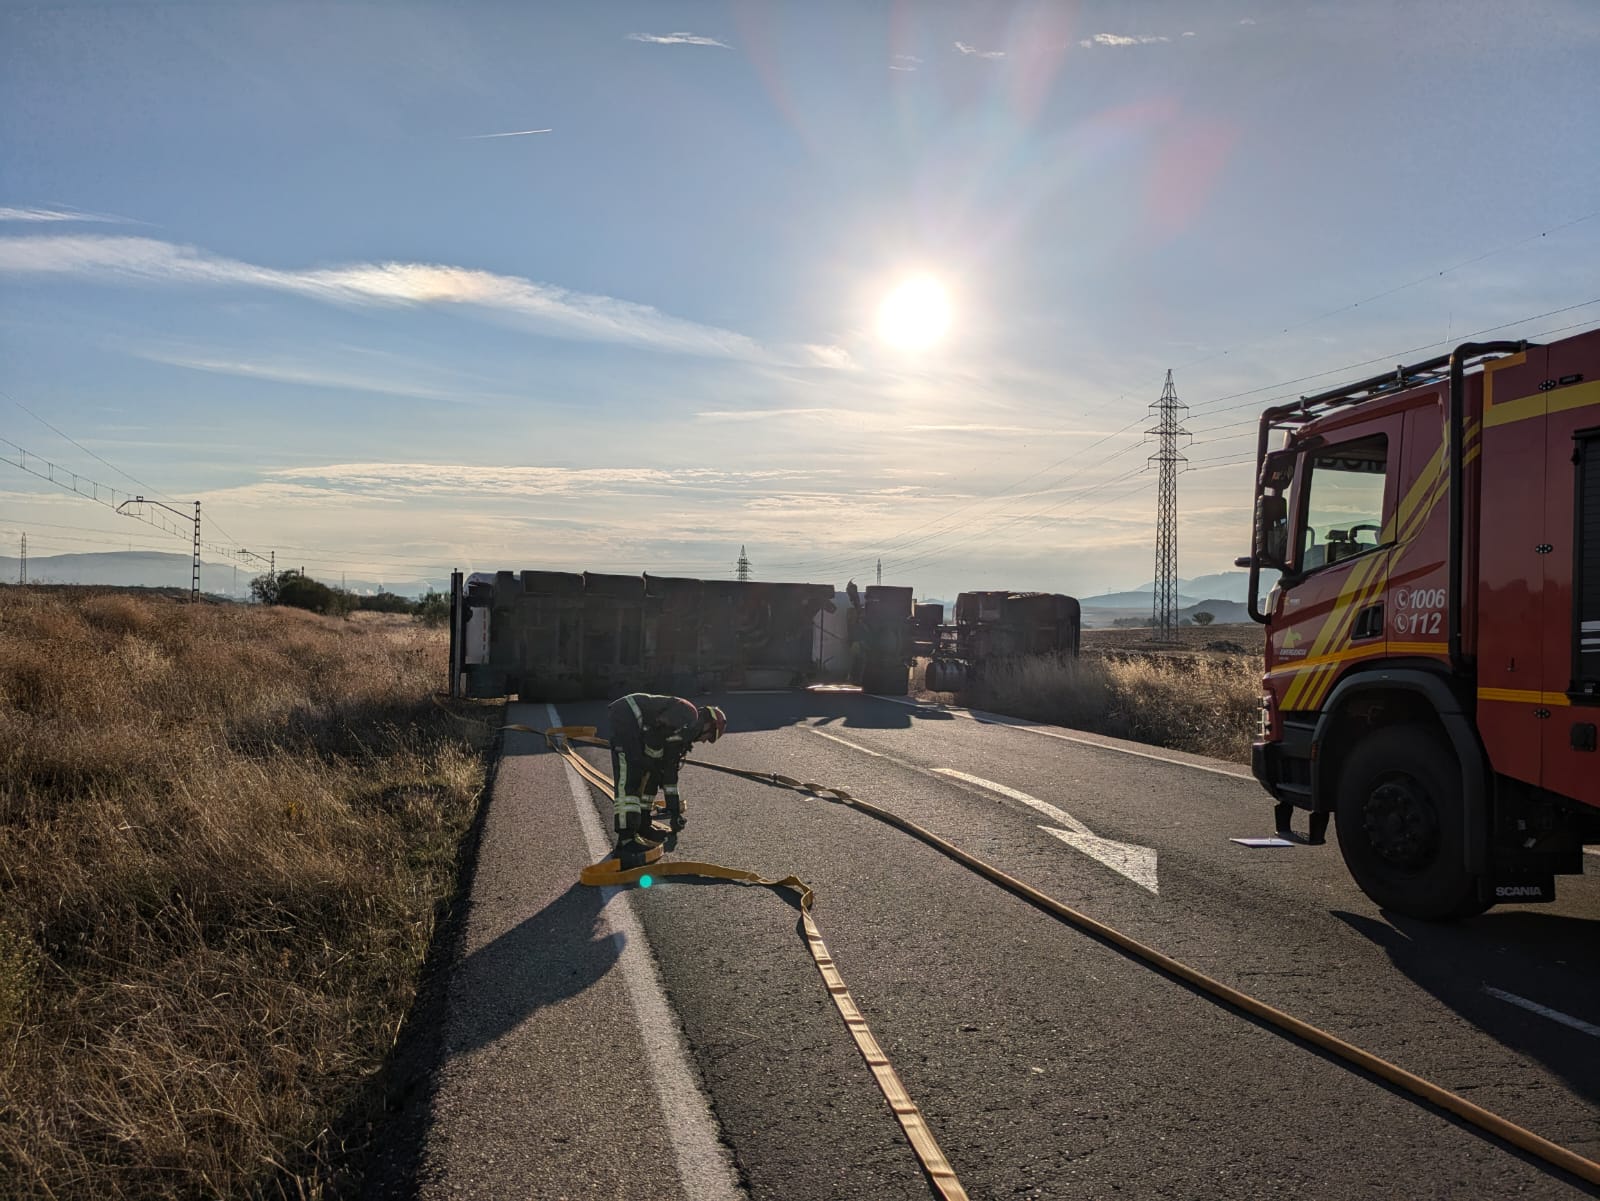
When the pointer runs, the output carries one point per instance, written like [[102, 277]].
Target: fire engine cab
[[1433, 639]]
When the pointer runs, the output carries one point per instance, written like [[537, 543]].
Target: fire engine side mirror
[[1272, 532]]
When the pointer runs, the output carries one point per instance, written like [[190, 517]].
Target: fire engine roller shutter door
[[1512, 524], [1586, 572], [1572, 569]]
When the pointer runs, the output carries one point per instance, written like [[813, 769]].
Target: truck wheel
[[1401, 826]]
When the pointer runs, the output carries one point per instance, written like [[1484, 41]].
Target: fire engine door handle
[[1369, 622]]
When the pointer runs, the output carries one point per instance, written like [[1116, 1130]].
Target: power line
[[926, 535], [82, 447], [1261, 403], [102, 494]]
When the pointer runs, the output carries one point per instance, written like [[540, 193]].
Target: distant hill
[[158, 569], [1223, 612], [1129, 600], [1221, 585]]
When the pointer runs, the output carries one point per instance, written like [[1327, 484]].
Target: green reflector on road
[[646, 881]]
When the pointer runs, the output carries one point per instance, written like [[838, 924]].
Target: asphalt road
[[1048, 1064]]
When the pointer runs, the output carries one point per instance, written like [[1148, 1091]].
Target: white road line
[[1125, 858], [984, 718], [843, 742], [704, 1168], [1555, 1015], [1045, 807], [1135, 862]]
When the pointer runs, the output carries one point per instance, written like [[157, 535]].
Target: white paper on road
[[1135, 862], [1262, 842]]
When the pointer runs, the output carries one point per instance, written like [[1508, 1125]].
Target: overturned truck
[[990, 626], [555, 635]]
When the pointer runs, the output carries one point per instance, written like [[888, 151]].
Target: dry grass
[[1204, 703], [1233, 637], [224, 836]]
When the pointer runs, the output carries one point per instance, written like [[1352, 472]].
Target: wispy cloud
[[546, 308], [906, 58], [677, 39], [16, 214], [1247, 21], [1117, 39], [308, 374], [976, 428], [967, 49], [757, 414], [399, 480], [1188, 33], [898, 67], [515, 133]]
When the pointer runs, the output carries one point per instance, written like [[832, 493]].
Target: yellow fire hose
[[610, 871], [910, 1117]]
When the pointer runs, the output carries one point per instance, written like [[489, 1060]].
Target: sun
[[915, 315]]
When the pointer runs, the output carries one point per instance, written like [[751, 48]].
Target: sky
[[395, 289]]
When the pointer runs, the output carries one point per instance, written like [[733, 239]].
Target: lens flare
[[646, 881], [915, 315]]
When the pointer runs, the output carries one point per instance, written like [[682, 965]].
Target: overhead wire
[[1261, 403], [896, 543]]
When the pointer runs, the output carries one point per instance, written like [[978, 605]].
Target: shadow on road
[[499, 985], [1545, 958], [755, 712]]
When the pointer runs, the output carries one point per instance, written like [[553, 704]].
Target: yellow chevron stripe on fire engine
[[1316, 691], [1311, 688], [1365, 583], [1344, 607], [1523, 697]]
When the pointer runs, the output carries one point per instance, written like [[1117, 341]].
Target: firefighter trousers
[[637, 773]]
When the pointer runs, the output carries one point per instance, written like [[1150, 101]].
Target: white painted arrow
[[1135, 862]]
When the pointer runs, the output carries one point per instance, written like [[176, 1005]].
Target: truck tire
[[1401, 826]]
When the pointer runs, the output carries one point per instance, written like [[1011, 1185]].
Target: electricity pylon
[[1169, 430]]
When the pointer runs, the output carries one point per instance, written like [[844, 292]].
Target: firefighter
[[650, 737]]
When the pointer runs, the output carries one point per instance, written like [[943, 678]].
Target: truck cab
[[1428, 680]]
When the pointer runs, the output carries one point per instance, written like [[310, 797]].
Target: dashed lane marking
[[1555, 1015], [1134, 862], [845, 742], [704, 1168]]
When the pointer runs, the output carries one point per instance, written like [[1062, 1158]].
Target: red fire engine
[[1433, 640]]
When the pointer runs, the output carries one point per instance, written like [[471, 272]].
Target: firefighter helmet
[[713, 721]]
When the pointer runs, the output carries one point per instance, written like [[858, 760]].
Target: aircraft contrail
[[515, 133]]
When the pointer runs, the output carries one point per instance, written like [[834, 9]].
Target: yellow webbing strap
[[609, 872], [1486, 1120]]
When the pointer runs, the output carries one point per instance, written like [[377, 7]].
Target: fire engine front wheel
[[1401, 827]]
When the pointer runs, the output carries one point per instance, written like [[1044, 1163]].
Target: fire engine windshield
[[1344, 505]]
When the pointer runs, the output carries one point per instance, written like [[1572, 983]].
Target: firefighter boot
[[633, 848], [649, 830]]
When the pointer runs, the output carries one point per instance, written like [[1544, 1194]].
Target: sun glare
[[915, 315]]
